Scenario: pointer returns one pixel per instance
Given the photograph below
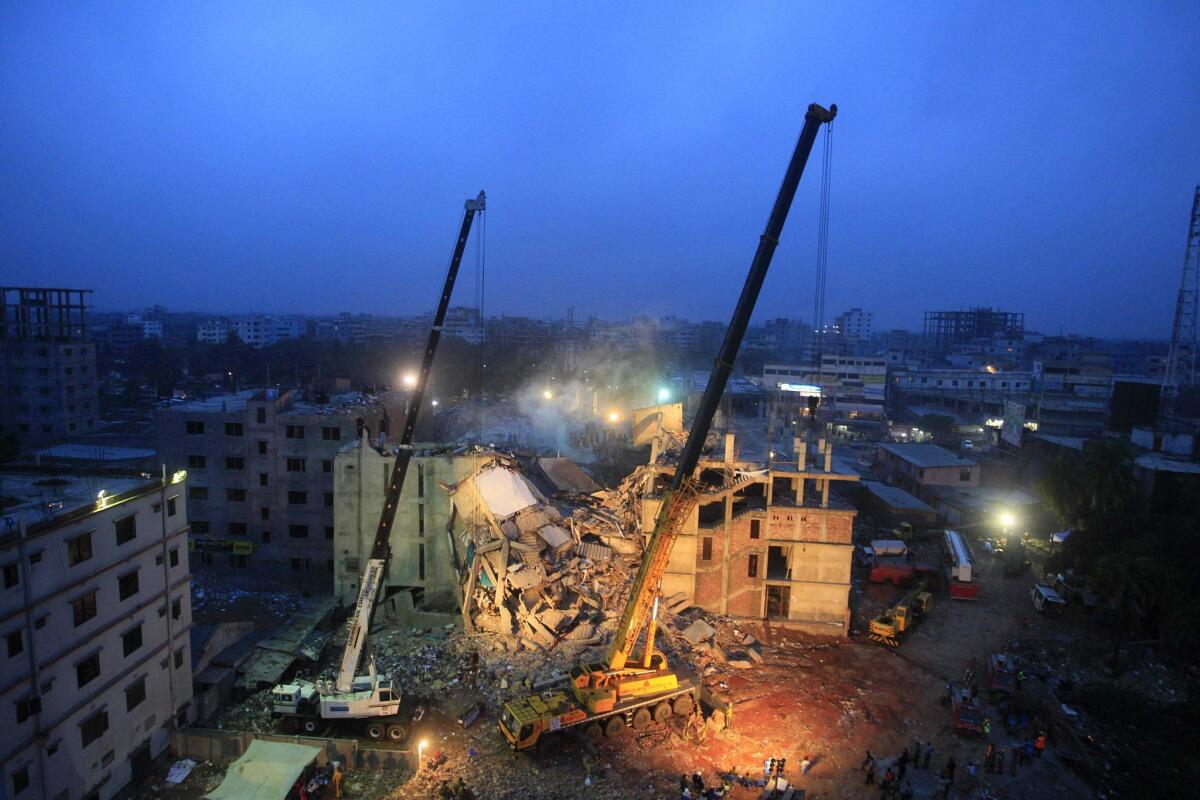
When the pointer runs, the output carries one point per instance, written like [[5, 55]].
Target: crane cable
[[822, 250], [480, 363]]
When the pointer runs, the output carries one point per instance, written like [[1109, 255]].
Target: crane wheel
[[396, 733], [309, 726], [614, 727], [682, 705], [662, 712], [375, 731], [641, 718], [593, 731]]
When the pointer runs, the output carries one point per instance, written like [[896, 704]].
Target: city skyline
[[225, 155]]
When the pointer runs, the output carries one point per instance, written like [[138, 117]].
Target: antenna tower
[[1181, 357]]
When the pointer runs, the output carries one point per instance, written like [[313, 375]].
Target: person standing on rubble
[[1039, 744], [902, 763], [928, 755], [338, 777]]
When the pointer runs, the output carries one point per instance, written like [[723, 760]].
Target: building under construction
[[47, 366], [945, 330]]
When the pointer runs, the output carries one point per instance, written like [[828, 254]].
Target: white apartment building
[[151, 328], [853, 324], [95, 612], [213, 331], [256, 330]]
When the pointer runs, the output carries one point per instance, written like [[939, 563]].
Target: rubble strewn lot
[[549, 580]]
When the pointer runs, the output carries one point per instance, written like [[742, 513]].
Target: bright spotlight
[[664, 395], [410, 379], [548, 394], [1007, 520], [614, 416]]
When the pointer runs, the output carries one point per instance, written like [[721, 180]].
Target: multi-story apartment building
[[1071, 394], [766, 541], [95, 612], [261, 489], [854, 324], [151, 328], [463, 322], [213, 331], [256, 330], [48, 386], [422, 562]]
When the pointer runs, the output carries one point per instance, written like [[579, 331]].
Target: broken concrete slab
[[699, 631], [557, 538], [754, 654], [594, 551]]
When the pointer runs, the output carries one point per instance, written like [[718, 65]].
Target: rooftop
[[343, 403], [895, 498], [42, 496], [1159, 463], [93, 452], [927, 456]]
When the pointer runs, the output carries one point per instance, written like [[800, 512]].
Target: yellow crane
[[608, 695], [893, 625]]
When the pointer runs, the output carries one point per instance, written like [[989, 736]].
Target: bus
[[962, 569]]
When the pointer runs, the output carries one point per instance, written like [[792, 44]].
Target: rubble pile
[[543, 577], [251, 715]]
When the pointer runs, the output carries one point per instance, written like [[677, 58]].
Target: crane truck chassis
[[371, 707], [893, 625], [540, 720]]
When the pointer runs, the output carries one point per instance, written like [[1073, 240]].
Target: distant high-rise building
[[853, 324], [47, 365]]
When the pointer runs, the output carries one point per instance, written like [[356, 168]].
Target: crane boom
[[377, 563], [680, 498]]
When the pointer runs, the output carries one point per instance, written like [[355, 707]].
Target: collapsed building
[[533, 550]]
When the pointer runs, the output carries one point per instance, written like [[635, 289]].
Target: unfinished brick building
[[766, 542]]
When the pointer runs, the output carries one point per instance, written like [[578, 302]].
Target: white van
[[1046, 600]]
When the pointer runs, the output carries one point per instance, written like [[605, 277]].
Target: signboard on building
[[1014, 423]]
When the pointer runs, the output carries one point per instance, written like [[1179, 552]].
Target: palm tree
[[1062, 490], [1130, 579], [1107, 476]]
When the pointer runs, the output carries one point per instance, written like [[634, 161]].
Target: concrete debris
[[699, 631], [677, 603], [596, 552]]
